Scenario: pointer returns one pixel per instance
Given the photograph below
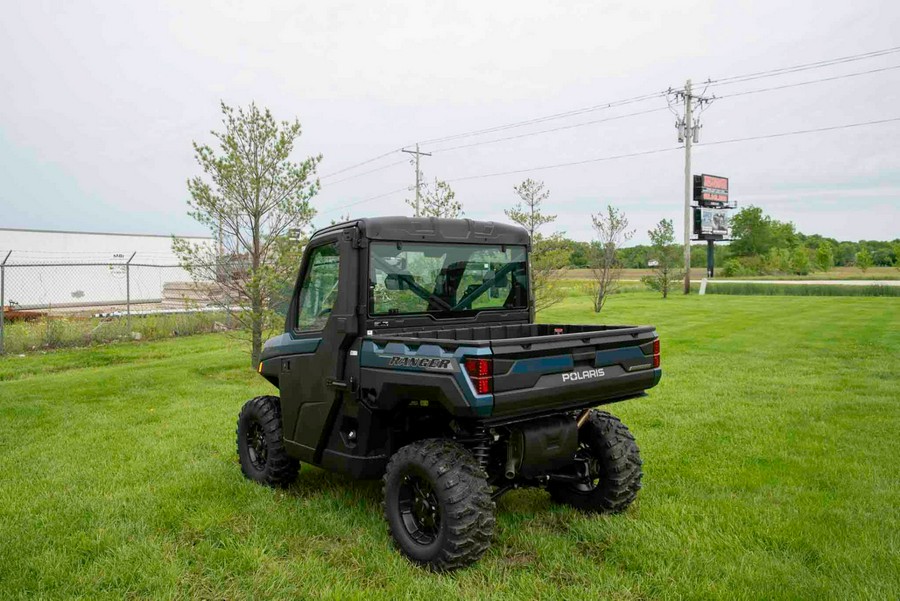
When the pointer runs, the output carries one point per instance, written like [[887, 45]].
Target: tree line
[[761, 246]]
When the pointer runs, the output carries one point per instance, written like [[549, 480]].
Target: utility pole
[[688, 187], [689, 133], [418, 174]]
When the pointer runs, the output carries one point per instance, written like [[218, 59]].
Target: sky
[[100, 103]]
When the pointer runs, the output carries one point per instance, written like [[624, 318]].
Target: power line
[[570, 164], [364, 200], [802, 131], [628, 155], [360, 164], [506, 126], [389, 165], [812, 81], [618, 117], [803, 67], [660, 150], [545, 131], [504, 139], [552, 117], [470, 177], [714, 82]]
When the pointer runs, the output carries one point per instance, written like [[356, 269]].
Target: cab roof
[[433, 229]]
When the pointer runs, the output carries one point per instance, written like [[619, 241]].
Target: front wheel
[[260, 443], [611, 462], [438, 505]]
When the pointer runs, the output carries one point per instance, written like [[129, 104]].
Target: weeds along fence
[[51, 301]]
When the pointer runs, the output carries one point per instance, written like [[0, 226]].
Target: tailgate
[[572, 368]]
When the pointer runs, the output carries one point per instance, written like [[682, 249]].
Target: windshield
[[446, 279]]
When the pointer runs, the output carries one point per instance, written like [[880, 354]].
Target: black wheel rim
[[590, 469], [257, 448], [419, 510]]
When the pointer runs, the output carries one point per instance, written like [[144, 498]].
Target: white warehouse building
[[62, 244], [49, 268]]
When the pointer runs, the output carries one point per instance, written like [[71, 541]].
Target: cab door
[[322, 324]]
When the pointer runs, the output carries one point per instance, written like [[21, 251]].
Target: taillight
[[656, 353], [481, 372]]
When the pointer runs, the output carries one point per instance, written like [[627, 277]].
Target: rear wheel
[[261, 446], [438, 505], [611, 464]]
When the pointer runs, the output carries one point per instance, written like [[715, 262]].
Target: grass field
[[770, 451]]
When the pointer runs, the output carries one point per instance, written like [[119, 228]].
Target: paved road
[[807, 282]]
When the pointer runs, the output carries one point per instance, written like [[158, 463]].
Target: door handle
[[340, 384]]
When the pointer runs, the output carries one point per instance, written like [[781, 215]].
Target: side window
[[319, 290]]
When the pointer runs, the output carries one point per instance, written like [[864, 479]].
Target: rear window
[[448, 280]]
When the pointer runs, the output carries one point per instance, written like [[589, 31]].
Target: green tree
[[611, 231], [250, 196], [438, 200], [846, 254], [549, 254], [800, 260], [755, 233], [752, 232], [665, 252], [864, 259], [784, 234], [527, 210], [779, 260], [825, 256], [732, 268], [579, 253], [896, 248], [882, 253], [635, 257]]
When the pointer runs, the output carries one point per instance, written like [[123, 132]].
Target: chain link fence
[[52, 300]]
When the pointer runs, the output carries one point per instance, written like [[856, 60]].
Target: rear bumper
[[552, 391]]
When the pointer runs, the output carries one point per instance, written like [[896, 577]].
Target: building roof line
[[37, 231]]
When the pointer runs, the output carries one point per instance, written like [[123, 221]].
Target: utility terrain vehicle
[[410, 353]]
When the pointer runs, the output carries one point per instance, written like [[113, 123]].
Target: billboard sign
[[711, 222], [710, 189]]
